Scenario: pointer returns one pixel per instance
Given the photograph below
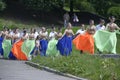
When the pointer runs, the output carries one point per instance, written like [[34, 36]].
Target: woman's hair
[[111, 17], [37, 37], [24, 32]]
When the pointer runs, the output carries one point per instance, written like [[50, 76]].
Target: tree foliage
[[84, 5], [42, 5], [115, 11], [2, 5]]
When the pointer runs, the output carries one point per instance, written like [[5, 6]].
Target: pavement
[[18, 70]]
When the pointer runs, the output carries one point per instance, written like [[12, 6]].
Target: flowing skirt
[[43, 47], [52, 49], [84, 42], [17, 51], [27, 47], [1, 49], [6, 45], [105, 41], [64, 45]]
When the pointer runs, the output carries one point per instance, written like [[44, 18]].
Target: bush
[[2, 5], [115, 11]]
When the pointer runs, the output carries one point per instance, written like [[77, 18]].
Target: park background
[[38, 13]]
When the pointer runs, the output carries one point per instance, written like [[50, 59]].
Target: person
[[15, 35], [52, 33], [81, 30], [66, 18], [29, 44], [7, 45], [35, 34], [59, 33], [52, 48], [37, 47], [64, 44], [43, 41], [1, 49], [17, 47], [85, 42], [101, 25], [107, 40], [75, 19]]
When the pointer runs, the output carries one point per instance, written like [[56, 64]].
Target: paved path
[[18, 70]]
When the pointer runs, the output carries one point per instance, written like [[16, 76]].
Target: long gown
[[52, 49], [1, 49], [6, 45], [17, 51], [43, 48], [64, 45], [105, 41], [27, 47], [84, 42]]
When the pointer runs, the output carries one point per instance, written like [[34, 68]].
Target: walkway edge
[[53, 71]]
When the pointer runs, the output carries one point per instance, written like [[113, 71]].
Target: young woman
[[29, 44], [52, 49], [85, 42], [64, 44], [43, 41], [101, 25], [52, 33], [37, 47], [1, 49], [15, 35], [17, 47], [106, 40], [6, 45]]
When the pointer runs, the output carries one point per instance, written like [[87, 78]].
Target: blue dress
[[1, 49], [43, 48], [64, 45]]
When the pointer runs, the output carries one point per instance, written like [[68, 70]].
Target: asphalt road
[[18, 70]]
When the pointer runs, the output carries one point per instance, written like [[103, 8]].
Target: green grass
[[87, 66], [12, 24]]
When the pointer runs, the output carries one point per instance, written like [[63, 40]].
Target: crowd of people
[[24, 45]]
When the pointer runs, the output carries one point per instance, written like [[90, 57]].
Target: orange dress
[[84, 42], [17, 52]]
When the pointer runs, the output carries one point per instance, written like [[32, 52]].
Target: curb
[[53, 71], [108, 55]]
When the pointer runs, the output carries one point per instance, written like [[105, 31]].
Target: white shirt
[[80, 31], [100, 27], [52, 34], [18, 34], [35, 35]]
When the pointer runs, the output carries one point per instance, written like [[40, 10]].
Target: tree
[[84, 5], [43, 5], [114, 11], [2, 5], [101, 6]]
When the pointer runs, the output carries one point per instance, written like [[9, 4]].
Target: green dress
[[105, 41], [52, 49], [6, 45], [27, 47]]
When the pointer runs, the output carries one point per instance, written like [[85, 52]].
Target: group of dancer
[[22, 46]]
